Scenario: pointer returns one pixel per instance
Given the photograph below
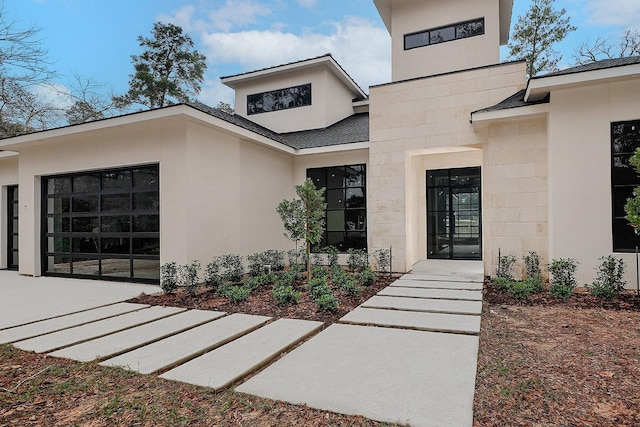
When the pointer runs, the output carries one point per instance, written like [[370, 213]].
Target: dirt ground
[[542, 362]]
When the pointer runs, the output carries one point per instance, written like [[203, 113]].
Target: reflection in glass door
[[12, 227], [454, 214]]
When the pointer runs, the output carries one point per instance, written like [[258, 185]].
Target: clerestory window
[[461, 30]]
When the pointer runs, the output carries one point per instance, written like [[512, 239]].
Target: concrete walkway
[[407, 355]]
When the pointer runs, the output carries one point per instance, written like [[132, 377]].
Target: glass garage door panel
[[103, 224], [454, 229]]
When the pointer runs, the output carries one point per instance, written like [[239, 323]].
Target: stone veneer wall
[[422, 117]]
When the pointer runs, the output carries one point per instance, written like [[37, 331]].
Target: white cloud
[[307, 3], [625, 13], [237, 13], [54, 94], [361, 47]]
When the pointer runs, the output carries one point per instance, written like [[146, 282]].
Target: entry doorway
[[454, 225], [12, 227]]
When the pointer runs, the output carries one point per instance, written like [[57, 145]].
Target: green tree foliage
[[534, 35], [303, 218], [632, 207], [168, 70]]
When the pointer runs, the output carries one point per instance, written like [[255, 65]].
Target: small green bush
[[561, 290], [332, 255], [238, 293], [609, 280], [285, 278], [327, 302], [188, 277], [286, 295], [233, 270], [383, 260], [169, 277], [212, 278], [532, 265], [266, 278], [338, 274], [505, 266], [251, 283], [350, 286], [262, 262], [319, 271], [317, 259], [357, 260], [297, 259], [367, 277], [501, 284], [523, 290], [317, 287]]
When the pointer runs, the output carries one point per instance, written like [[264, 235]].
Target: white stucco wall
[[414, 16], [580, 212]]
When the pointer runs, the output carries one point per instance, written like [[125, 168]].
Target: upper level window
[[461, 30], [280, 99], [625, 139]]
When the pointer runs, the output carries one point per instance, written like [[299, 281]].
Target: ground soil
[[542, 362]]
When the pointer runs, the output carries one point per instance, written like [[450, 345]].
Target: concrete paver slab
[[423, 304], [391, 375], [408, 282], [67, 337], [431, 293], [479, 278], [62, 322], [130, 339], [185, 346], [435, 322], [25, 299], [220, 367]]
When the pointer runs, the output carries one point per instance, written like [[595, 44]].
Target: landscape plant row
[[607, 284], [230, 277]]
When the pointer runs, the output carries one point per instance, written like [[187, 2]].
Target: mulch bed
[[260, 302]]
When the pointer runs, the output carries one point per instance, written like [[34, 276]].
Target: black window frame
[[82, 219], [458, 35], [302, 97], [623, 180], [359, 231], [12, 229]]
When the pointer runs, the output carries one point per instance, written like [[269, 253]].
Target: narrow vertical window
[[625, 139]]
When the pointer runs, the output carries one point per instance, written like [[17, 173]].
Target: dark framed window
[[346, 199], [12, 227], [103, 224], [461, 30], [280, 99], [625, 139]]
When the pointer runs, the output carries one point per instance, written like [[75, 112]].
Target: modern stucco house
[[458, 157]]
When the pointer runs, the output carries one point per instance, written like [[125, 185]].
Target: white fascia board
[[539, 87], [334, 148], [119, 121], [506, 10], [384, 10], [510, 113], [5, 154]]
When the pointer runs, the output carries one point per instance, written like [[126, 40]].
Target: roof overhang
[[325, 60], [506, 6], [176, 112], [529, 111], [539, 87]]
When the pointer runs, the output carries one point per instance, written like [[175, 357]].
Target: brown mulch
[[261, 302], [547, 362]]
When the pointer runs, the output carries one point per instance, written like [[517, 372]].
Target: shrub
[[169, 277], [338, 274], [317, 260], [524, 289], [233, 270], [275, 259], [266, 278], [212, 278], [501, 284], [367, 277], [319, 271], [317, 287], [383, 259], [327, 302], [297, 258], [609, 280], [286, 295], [285, 278], [251, 283], [262, 262], [332, 255], [562, 281], [238, 293], [255, 264], [350, 286], [532, 264], [357, 260], [188, 276], [505, 266]]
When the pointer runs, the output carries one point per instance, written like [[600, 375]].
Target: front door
[[454, 214], [12, 227]]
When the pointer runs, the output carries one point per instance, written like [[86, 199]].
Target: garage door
[[103, 224]]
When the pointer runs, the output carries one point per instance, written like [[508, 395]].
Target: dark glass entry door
[[454, 228], [12, 227]]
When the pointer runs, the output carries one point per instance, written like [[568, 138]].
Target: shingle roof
[[275, 66], [593, 66], [514, 101], [352, 129]]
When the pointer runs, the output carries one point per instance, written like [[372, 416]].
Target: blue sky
[[95, 38]]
